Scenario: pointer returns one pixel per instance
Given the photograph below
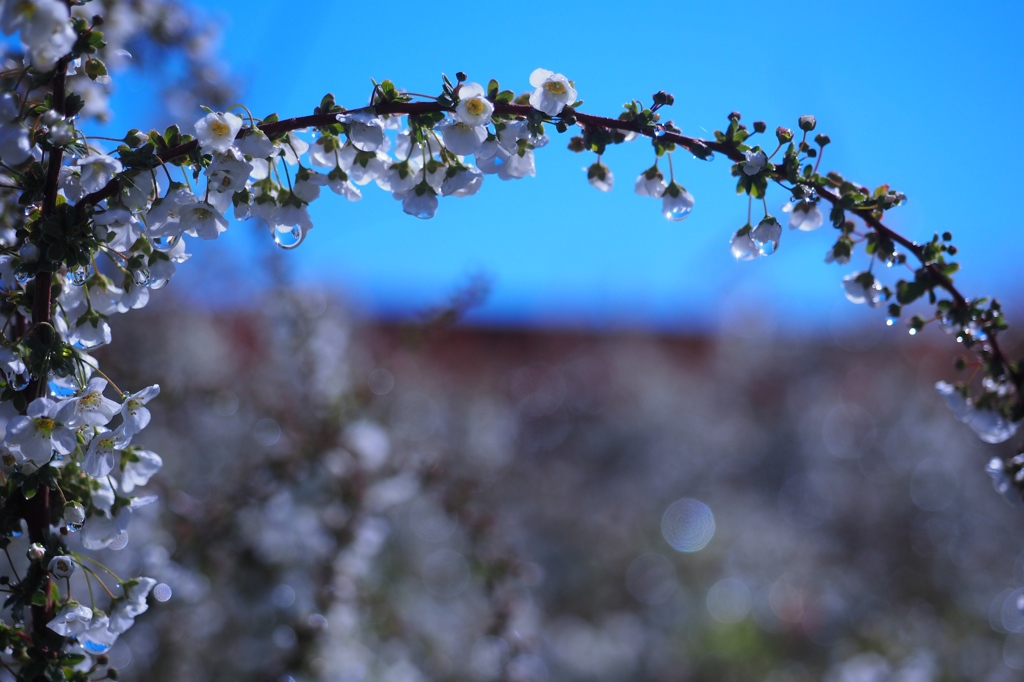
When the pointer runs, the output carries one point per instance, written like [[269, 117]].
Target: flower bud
[[783, 134], [807, 123], [760, 126], [36, 552], [61, 566], [735, 116], [822, 140]]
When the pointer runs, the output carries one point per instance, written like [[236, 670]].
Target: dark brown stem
[[691, 144], [38, 510]]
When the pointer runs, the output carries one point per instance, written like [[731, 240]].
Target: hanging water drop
[[913, 331], [165, 243], [141, 277], [18, 381], [297, 235], [22, 276], [79, 276], [890, 321]]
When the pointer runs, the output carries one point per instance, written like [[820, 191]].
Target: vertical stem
[[38, 511]]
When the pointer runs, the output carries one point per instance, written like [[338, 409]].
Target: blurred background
[[549, 435]]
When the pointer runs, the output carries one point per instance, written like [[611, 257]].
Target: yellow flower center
[[90, 400], [44, 424], [555, 87], [475, 107], [219, 127], [202, 213]]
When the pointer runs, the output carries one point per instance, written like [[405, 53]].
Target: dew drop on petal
[[22, 276], [141, 277]]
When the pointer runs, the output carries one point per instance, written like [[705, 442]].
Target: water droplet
[[22, 276], [94, 647], [79, 276], [913, 331], [15, 533], [678, 212], [121, 541], [659, 131], [959, 338], [165, 243], [297, 235], [889, 263], [87, 345], [18, 381], [243, 212], [74, 527], [141, 277], [890, 321], [498, 160]]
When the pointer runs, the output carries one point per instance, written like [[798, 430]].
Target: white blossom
[[217, 130], [473, 109], [553, 92]]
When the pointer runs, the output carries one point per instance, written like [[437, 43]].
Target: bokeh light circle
[[688, 525]]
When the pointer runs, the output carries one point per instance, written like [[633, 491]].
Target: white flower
[[462, 138], [90, 408], [553, 92], [256, 144], [228, 172], [676, 202], [46, 31], [97, 171], [600, 176], [464, 181], [100, 532], [307, 187], [990, 426], [804, 216], [99, 637], [518, 166], [339, 183], [473, 109], [651, 183], [72, 619], [862, 287], [202, 220], [100, 458], [61, 566], [38, 434], [755, 161], [133, 411], [141, 466], [125, 609], [743, 246], [15, 146], [419, 201], [216, 131], [365, 130], [766, 236]]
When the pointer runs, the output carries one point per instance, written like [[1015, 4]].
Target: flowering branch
[[77, 204]]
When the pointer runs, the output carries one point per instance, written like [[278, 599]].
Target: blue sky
[[923, 96]]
